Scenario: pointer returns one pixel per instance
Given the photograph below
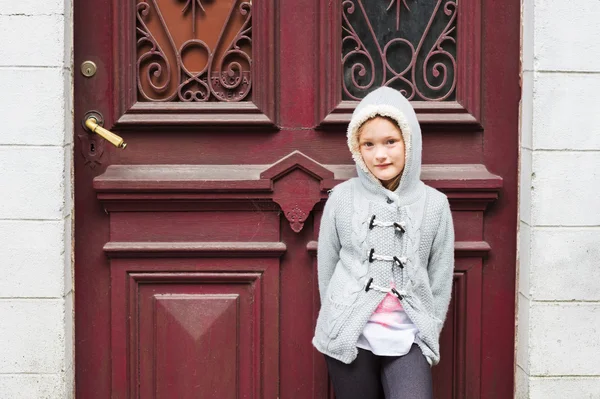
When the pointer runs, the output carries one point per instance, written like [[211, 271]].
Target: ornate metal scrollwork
[[417, 59], [219, 71]]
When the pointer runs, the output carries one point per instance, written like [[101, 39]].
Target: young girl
[[385, 260]]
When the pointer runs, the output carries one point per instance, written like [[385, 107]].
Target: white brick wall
[[36, 295], [558, 338], [559, 238]]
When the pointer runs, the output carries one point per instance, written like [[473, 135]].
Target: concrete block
[[68, 34], [563, 339], [564, 117], [521, 384], [524, 259], [526, 109], [31, 7], [565, 35], [523, 332], [565, 387], [32, 106], [525, 165], [33, 183], [32, 334], [32, 40], [527, 34], [30, 386], [69, 119], [69, 258], [566, 264], [68, 195], [69, 373], [565, 189], [32, 259]]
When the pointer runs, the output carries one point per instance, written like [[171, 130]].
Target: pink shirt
[[389, 331]]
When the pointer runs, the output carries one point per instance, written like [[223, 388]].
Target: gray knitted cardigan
[[371, 236]]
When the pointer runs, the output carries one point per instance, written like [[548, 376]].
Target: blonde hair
[[393, 184]]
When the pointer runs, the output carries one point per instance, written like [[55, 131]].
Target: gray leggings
[[377, 377]]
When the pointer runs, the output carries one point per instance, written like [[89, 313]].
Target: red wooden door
[[195, 246]]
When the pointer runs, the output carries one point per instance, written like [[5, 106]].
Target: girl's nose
[[380, 155]]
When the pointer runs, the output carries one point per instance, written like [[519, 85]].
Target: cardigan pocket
[[336, 316], [340, 298]]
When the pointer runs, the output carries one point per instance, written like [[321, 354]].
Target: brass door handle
[[116, 140]]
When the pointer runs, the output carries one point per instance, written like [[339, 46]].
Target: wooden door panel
[[196, 343], [197, 327], [203, 231], [458, 373], [468, 225], [196, 218], [196, 334], [233, 225]]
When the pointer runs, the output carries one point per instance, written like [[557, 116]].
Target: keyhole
[[92, 148], [88, 71]]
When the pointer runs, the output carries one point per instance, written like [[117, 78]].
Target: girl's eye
[[368, 144], [391, 141]]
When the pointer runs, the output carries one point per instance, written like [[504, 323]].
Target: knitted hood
[[388, 102]]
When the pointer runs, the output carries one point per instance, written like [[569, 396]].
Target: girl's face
[[382, 148]]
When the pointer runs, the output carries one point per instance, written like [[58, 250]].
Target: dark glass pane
[[409, 45]]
